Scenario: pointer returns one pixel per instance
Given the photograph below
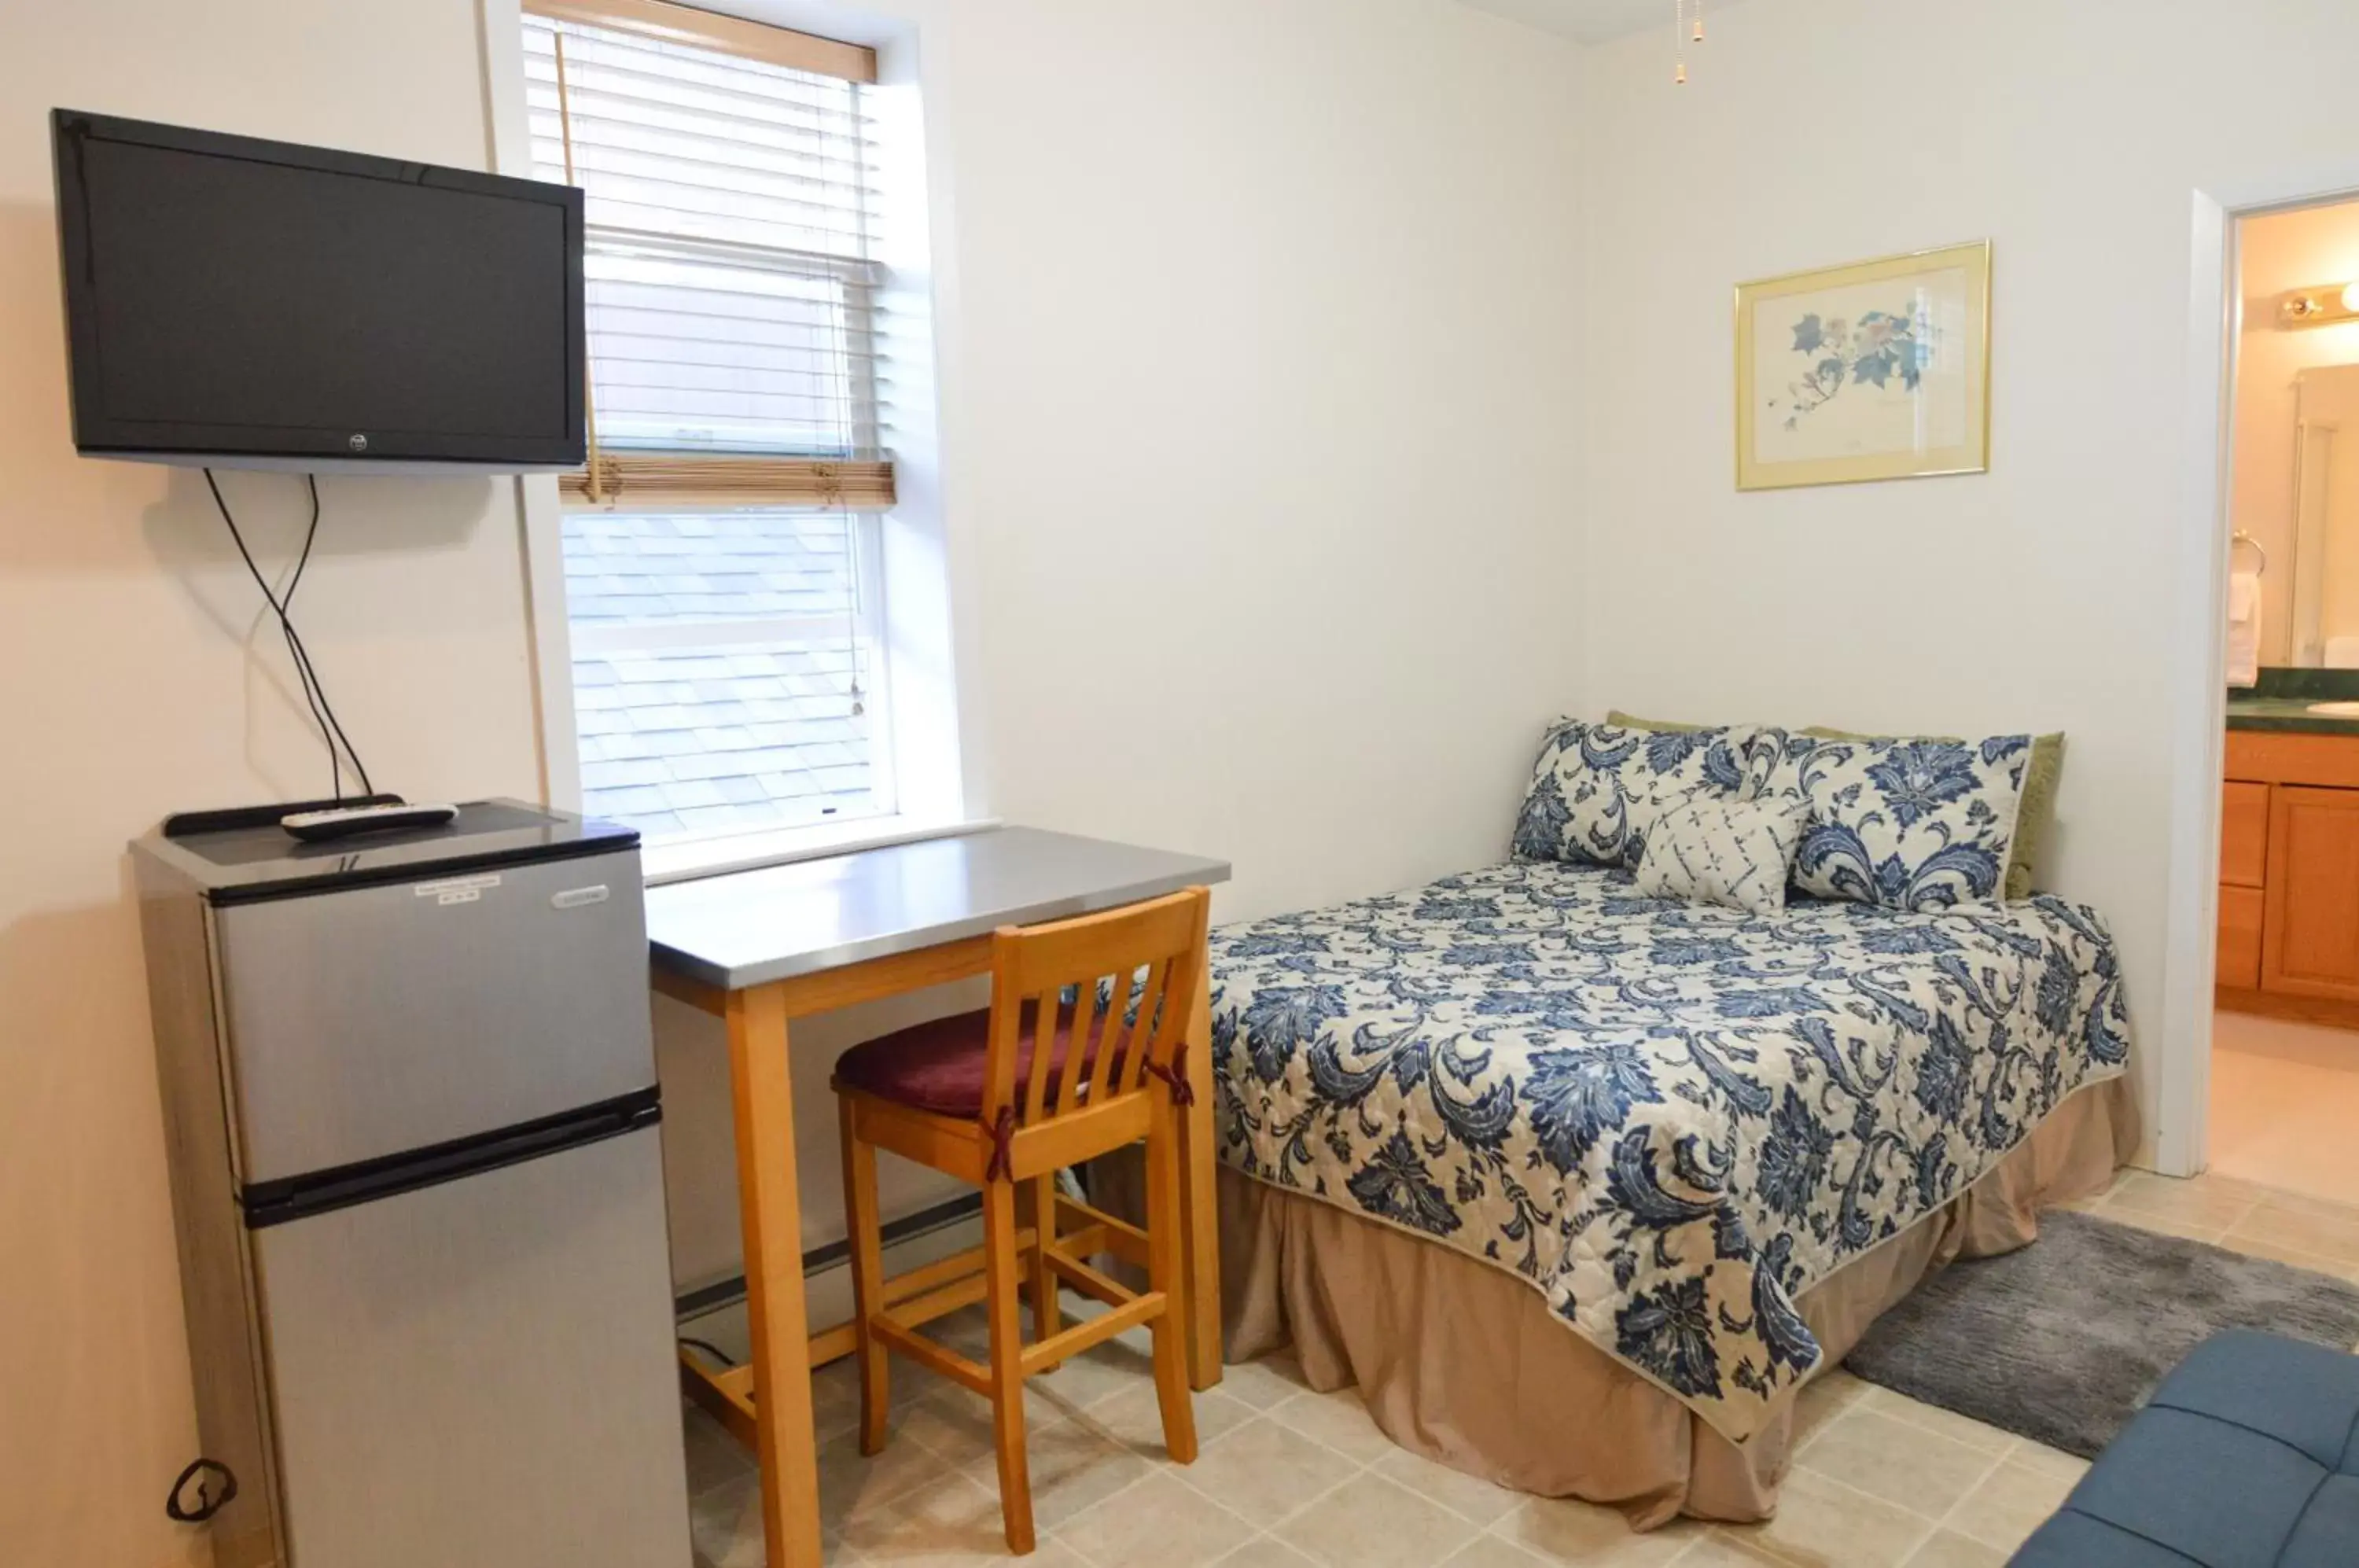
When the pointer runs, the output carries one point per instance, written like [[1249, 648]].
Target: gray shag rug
[[2064, 1340]]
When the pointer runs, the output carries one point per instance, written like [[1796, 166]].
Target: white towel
[[2244, 628]]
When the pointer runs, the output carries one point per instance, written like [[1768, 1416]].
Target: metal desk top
[[751, 928]]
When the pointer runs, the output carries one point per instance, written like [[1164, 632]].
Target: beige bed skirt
[[1465, 1363]]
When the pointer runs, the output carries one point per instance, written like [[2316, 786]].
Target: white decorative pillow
[[1597, 789], [1738, 853], [1904, 824]]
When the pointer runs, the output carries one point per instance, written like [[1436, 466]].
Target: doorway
[[2274, 1070]]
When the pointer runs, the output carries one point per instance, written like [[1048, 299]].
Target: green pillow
[[1622, 721], [1821, 732], [2041, 783]]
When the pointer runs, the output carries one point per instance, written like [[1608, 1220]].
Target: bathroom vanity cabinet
[[2289, 941]]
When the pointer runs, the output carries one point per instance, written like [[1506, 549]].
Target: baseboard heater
[[728, 1292]]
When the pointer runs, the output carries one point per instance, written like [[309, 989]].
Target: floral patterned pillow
[[1597, 789], [1904, 824]]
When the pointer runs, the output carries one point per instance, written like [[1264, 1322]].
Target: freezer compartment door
[[482, 1372], [371, 1021]]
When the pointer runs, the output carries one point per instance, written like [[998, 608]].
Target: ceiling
[[1591, 21]]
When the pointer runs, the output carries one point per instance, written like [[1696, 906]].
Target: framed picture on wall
[[1879, 370]]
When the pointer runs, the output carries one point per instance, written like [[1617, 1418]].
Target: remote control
[[315, 827]]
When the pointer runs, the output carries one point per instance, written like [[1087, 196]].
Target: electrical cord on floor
[[711, 1349], [315, 695]]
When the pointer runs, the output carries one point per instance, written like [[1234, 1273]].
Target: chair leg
[[1048, 1318], [1167, 1272], [863, 1229], [1001, 1271]]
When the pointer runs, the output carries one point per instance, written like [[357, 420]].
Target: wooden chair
[[975, 1096]]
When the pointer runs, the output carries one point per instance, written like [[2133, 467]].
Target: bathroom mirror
[[2325, 565]]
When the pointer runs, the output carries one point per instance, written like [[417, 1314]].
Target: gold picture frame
[[1879, 370]]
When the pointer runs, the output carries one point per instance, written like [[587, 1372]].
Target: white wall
[[2038, 596], [1260, 405], [2283, 252], [1261, 412], [1266, 424], [127, 693]]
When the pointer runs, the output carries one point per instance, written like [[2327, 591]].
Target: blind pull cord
[[852, 610]]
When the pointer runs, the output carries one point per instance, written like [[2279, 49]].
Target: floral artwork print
[[1875, 370], [1671, 1121], [1883, 347]]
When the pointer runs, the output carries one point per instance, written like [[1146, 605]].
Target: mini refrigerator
[[409, 1096]]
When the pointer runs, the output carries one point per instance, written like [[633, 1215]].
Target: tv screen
[[247, 302]]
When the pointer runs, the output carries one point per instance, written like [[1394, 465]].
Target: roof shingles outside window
[[743, 566], [738, 736]]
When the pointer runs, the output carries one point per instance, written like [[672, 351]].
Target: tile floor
[[2284, 1098], [1290, 1478]]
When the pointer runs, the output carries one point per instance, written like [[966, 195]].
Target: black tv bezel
[[97, 435]]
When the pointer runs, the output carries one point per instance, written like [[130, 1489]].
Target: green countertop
[[2285, 715], [2281, 700]]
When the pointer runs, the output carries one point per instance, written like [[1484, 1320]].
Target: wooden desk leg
[[785, 1445], [1198, 1145]]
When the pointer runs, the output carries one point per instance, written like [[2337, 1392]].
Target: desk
[[757, 949]]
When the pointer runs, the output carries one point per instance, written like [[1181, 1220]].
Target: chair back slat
[[1073, 1072], [1158, 1028], [1031, 1092], [1113, 1046], [1000, 1089], [1114, 1066], [1102, 958]]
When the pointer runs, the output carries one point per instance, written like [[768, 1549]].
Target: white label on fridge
[[457, 889]]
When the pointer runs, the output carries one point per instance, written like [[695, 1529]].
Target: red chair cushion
[[941, 1066]]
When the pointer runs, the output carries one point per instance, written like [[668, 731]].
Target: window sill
[[698, 858]]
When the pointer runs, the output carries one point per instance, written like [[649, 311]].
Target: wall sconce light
[[2327, 305]]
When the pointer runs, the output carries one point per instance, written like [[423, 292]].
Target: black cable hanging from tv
[[315, 695]]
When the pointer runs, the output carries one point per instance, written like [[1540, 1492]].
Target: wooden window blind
[[732, 285]]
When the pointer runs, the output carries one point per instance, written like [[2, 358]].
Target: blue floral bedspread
[[1669, 1120]]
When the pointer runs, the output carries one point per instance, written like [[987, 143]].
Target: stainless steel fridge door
[[372, 1021], [481, 1374]]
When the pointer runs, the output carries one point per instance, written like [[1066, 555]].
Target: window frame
[[927, 636]]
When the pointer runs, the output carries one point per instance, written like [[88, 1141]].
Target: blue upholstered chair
[[2246, 1457]]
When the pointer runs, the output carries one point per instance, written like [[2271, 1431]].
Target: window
[[723, 574]]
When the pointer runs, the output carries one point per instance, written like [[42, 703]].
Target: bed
[[1580, 1187]]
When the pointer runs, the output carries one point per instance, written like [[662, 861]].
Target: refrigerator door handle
[[268, 1203]]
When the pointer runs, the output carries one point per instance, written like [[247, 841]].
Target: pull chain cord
[[315, 695], [1687, 27]]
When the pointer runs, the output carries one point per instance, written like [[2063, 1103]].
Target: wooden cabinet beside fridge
[[2288, 939]]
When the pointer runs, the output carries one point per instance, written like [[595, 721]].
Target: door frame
[[2181, 1145]]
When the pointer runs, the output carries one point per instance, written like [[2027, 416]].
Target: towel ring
[[2241, 537]]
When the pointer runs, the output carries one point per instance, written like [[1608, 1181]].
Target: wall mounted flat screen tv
[[255, 304]]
